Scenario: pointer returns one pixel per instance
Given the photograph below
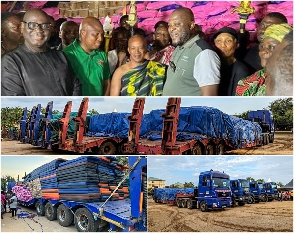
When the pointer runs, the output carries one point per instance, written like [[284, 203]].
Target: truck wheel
[[107, 148], [271, 138], [50, 211], [183, 203], [197, 149], [203, 206], [64, 216], [220, 149], [40, 208], [189, 204], [209, 149], [251, 200], [264, 198], [85, 222], [179, 203], [241, 203], [266, 139]]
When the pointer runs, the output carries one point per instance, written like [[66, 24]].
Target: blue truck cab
[[213, 190], [256, 191], [240, 191], [265, 119], [270, 189]]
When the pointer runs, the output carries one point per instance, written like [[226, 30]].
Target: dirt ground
[[260, 217], [38, 224], [283, 145]]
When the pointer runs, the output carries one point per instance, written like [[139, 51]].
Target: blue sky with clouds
[[229, 105], [187, 168]]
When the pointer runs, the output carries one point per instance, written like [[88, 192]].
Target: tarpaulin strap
[[53, 127], [124, 178], [28, 225]]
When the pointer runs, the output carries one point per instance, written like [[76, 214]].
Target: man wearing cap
[[232, 70], [194, 67]]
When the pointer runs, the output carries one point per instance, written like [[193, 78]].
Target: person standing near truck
[[13, 204]]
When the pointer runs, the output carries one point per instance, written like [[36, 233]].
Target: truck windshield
[[260, 186], [220, 182], [274, 186], [244, 184]]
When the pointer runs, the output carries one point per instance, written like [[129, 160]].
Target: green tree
[[4, 180], [43, 110], [280, 184], [250, 179], [243, 115], [282, 111], [176, 185], [260, 180], [10, 116], [93, 112], [188, 185], [122, 160]]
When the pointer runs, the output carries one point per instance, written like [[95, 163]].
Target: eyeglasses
[[34, 25], [172, 66]]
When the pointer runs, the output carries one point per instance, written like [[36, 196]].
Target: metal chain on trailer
[[124, 178]]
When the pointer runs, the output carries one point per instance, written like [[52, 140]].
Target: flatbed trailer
[[168, 145], [81, 143], [127, 214]]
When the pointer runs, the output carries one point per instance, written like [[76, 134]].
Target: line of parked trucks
[[215, 190], [175, 130]]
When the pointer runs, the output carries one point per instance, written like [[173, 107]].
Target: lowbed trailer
[[169, 144], [126, 215], [81, 143]]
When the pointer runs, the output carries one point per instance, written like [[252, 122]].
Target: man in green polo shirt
[[88, 61]]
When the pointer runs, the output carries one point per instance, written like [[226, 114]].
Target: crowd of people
[[43, 57]]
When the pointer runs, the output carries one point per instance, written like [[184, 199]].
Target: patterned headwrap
[[277, 31]]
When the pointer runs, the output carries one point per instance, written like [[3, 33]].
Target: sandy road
[[262, 217]]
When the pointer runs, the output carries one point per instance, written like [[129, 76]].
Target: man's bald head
[[35, 13], [137, 38], [91, 34], [184, 12], [90, 22]]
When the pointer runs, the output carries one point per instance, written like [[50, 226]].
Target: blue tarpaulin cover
[[200, 122], [169, 194]]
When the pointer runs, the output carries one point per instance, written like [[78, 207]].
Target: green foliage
[[93, 112], [43, 110], [10, 116], [282, 111], [280, 184], [250, 179], [122, 160], [243, 115], [176, 185], [4, 180], [188, 185], [260, 180]]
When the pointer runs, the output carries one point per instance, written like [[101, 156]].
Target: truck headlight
[[214, 205]]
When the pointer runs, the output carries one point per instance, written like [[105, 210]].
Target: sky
[[18, 165], [179, 168], [228, 105], [187, 168]]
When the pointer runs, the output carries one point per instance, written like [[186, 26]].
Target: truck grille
[[223, 194]]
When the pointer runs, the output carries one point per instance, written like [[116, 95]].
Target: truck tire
[[183, 203], [203, 206], [271, 138], [251, 200], [209, 149], [266, 139], [220, 149], [241, 203], [264, 198], [85, 222], [107, 148], [64, 216], [179, 203], [189, 204], [40, 208], [50, 211], [197, 149]]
